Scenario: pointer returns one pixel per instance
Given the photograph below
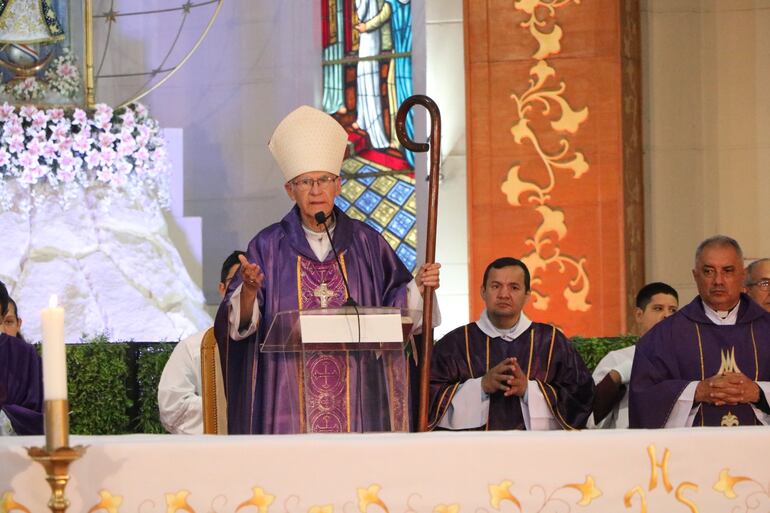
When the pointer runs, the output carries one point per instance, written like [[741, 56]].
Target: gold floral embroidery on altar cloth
[[108, 504], [176, 502], [259, 499], [370, 496], [9, 505], [545, 99]]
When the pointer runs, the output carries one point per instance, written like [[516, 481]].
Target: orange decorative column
[[554, 155]]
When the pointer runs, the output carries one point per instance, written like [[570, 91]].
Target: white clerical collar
[[508, 335], [319, 242], [722, 317]]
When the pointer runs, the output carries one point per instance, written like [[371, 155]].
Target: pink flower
[[82, 143], [27, 111], [106, 139], [56, 114], [66, 175], [103, 109], [66, 160], [66, 70], [64, 144], [105, 175], [16, 143], [102, 122], [34, 148], [60, 130], [119, 179], [108, 156], [126, 147], [12, 129], [5, 157], [26, 160], [39, 119], [49, 151], [92, 159], [6, 111], [28, 177], [142, 154], [141, 110], [79, 117]]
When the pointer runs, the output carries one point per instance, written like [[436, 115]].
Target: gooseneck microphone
[[321, 219]]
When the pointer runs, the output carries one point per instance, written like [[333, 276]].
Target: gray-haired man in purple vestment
[[709, 363], [290, 265]]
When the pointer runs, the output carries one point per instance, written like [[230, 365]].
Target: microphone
[[321, 219]]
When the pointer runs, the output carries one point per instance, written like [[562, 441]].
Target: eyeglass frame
[[307, 184], [763, 284]]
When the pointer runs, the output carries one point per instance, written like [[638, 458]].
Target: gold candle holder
[[56, 456]]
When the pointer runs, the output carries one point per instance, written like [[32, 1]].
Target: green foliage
[[593, 349], [97, 374], [149, 366]]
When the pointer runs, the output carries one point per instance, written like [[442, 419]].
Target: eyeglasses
[[305, 184], [762, 284]]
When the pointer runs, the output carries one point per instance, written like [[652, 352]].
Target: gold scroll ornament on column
[[544, 99]]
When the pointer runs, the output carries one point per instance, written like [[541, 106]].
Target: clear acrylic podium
[[351, 366]]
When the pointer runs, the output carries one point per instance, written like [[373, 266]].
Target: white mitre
[[308, 140]]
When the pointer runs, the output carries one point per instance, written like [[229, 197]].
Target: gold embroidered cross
[[324, 294]]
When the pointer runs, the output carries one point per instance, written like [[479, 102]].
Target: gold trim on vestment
[[555, 411], [487, 353], [347, 388], [756, 357], [344, 272], [550, 352], [301, 364], [531, 352], [700, 349], [702, 369], [437, 417], [468, 353]]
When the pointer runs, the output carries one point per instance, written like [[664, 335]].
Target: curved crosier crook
[[434, 145]]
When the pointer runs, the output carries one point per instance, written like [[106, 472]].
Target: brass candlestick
[[57, 456]]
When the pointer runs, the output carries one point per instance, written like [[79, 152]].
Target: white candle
[[54, 356]]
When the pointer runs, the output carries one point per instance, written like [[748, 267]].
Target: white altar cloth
[[668, 471]]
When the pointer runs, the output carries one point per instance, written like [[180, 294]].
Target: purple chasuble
[[21, 385], [688, 347], [277, 392], [544, 354]]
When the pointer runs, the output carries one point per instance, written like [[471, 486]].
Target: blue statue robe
[[266, 392], [21, 385], [688, 347]]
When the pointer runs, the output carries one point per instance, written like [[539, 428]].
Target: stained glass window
[[367, 71]]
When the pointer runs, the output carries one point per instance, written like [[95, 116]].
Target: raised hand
[[251, 275]]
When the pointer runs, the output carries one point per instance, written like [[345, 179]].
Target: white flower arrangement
[[63, 75], [57, 154], [26, 90]]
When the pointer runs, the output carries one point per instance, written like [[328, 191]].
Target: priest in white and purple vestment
[[290, 265], [709, 363]]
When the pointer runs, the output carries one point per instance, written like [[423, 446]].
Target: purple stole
[[325, 376]]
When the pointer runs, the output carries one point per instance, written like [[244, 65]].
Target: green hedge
[[113, 386]]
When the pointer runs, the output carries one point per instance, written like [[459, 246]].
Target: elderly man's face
[[314, 192], [719, 275], [759, 285]]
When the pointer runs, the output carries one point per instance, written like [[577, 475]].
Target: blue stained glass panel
[[368, 201], [401, 223]]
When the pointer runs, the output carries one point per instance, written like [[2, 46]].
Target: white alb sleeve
[[469, 408], [235, 316], [683, 413], [534, 408]]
